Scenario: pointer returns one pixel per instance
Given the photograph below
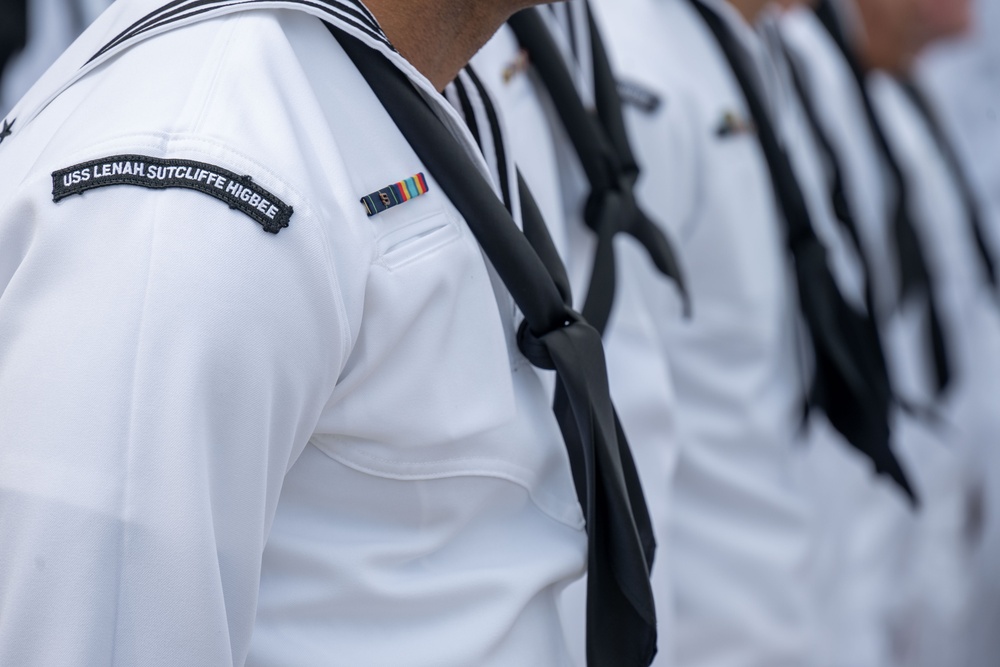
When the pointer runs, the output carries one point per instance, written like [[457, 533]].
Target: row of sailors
[[778, 545]]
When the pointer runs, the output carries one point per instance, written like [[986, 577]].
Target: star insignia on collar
[[6, 131]]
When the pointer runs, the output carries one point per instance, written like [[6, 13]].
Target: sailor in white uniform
[[963, 76], [925, 577], [838, 478], [643, 296], [862, 517], [953, 214], [262, 397], [743, 542], [746, 539]]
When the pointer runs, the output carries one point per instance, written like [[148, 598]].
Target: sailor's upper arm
[[163, 360]]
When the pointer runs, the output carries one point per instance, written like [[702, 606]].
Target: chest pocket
[[413, 240], [429, 391]]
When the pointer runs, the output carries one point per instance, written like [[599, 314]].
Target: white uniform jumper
[[964, 79], [741, 543], [222, 446], [940, 578], [964, 75], [905, 572], [635, 345], [840, 480]]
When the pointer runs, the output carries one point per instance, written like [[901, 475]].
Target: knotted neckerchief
[[620, 614], [915, 279], [851, 395], [601, 143], [845, 215]]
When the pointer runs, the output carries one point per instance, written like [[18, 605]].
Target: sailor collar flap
[[126, 24]]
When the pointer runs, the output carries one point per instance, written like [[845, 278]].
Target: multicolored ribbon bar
[[394, 195], [733, 124]]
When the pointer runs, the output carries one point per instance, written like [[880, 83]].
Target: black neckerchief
[[620, 611], [602, 145], [915, 278], [854, 398], [966, 190]]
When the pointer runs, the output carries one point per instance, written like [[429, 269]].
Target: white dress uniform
[[220, 445], [963, 77], [904, 573], [840, 480], [864, 519], [972, 314], [635, 343], [52, 26], [741, 534]]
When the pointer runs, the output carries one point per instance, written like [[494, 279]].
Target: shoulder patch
[[238, 192], [639, 96]]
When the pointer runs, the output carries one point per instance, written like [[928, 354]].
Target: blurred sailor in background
[[898, 168], [839, 480], [964, 144], [737, 185], [963, 75], [864, 522]]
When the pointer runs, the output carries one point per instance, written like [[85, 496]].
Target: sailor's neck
[[440, 36], [750, 10]]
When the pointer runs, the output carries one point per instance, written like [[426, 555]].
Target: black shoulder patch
[[238, 192], [639, 96]]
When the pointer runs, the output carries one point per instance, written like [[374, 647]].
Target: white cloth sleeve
[[163, 361]]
